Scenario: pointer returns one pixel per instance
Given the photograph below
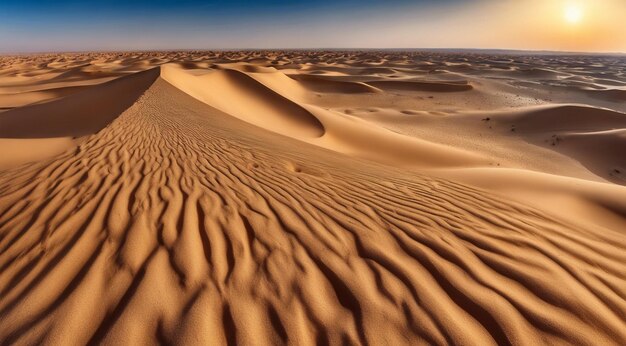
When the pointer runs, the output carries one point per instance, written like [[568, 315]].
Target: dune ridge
[[238, 94]]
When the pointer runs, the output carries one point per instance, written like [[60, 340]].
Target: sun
[[573, 13]]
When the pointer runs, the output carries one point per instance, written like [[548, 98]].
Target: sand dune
[[257, 99], [67, 117], [613, 95], [593, 136], [320, 84], [42, 130], [585, 146], [565, 118], [8, 101], [421, 86], [238, 94], [193, 203]]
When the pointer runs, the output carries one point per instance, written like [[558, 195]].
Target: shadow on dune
[[83, 113]]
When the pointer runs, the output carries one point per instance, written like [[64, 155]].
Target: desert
[[367, 197]]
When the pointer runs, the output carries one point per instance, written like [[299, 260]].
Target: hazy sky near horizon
[[72, 25]]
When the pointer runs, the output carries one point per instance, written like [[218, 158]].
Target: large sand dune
[[236, 198]]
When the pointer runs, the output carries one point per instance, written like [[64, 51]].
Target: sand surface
[[378, 198]]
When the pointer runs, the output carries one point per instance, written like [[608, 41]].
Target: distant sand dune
[[9, 101], [319, 84], [567, 118], [593, 136], [42, 130], [421, 86], [66, 117], [613, 95]]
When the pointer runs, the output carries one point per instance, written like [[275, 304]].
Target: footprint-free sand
[[379, 198]]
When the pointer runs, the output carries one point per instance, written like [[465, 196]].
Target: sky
[[87, 25]]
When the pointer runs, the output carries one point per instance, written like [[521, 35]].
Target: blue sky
[[62, 25], [72, 25]]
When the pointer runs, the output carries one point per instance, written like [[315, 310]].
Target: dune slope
[[593, 136], [66, 116], [178, 223], [43, 130], [240, 95]]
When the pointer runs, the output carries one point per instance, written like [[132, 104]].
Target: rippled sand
[[312, 198]]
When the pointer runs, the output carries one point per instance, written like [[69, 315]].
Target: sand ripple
[[178, 223]]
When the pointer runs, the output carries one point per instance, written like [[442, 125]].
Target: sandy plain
[[312, 198]]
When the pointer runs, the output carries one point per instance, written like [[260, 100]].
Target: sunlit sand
[[312, 197]]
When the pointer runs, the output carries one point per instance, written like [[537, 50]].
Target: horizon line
[[424, 49]]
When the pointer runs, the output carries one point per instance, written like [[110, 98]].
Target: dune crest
[[237, 94]]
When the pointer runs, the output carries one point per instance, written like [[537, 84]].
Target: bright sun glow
[[573, 13]]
